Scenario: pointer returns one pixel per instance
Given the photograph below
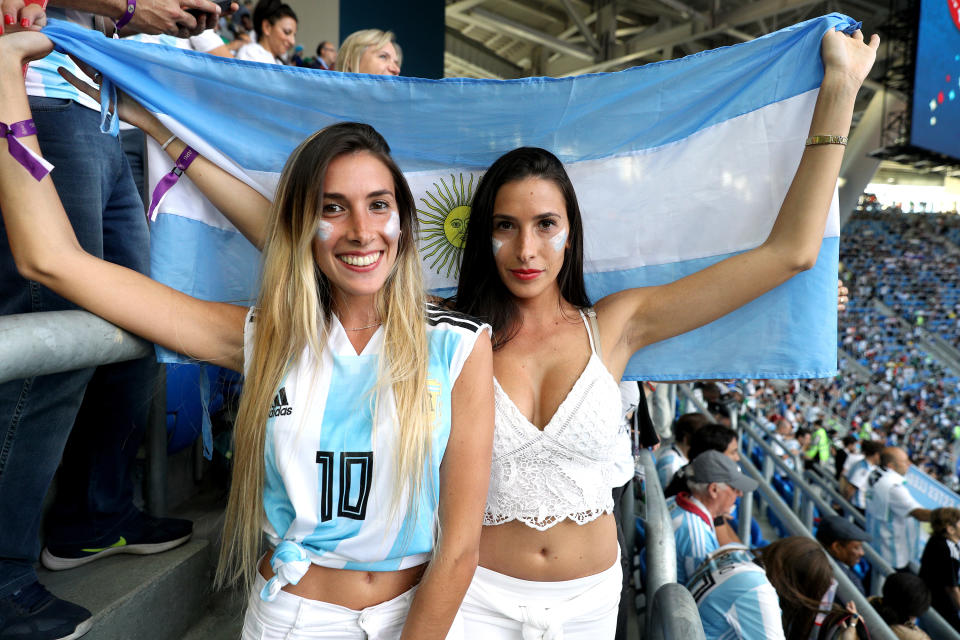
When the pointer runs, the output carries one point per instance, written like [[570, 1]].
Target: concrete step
[[132, 597], [155, 597]]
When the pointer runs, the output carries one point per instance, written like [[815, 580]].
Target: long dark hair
[[480, 291], [271, 11], [800, 572]]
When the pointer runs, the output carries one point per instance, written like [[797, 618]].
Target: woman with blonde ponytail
[[353, 454]]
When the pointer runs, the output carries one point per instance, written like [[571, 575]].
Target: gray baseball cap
[[713, 466]]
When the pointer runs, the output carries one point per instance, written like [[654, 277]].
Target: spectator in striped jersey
[[715, 484]]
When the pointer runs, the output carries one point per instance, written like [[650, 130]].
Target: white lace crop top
[[567, 470]]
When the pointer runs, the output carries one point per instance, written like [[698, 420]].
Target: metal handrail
[[42, 343], [931, 620], [674, 615], [797, 479], [835, 495], [35, 344], [661, 545], [846, 589]]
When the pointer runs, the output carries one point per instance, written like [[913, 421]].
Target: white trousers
[[499, 607], [290, 617]]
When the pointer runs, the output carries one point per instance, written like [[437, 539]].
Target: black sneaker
[[143, 535], [33, 613]]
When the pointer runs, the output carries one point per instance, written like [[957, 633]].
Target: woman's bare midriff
[[352, 589], [565, 551]]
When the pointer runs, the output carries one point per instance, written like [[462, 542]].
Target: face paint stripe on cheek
[[559, 240], [324, 229], [392, 228], [497, 245]]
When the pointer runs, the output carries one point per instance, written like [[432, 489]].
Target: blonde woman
[[352, 438], [370, 51]]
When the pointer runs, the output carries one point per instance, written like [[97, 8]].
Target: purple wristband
[[187, 156], [35, 164], [127, 15]]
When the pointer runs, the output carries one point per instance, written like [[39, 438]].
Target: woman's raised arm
[[240, 203], [644, 316], [46, 250]]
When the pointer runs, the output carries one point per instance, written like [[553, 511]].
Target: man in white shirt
[[854, 482], [892, 513]]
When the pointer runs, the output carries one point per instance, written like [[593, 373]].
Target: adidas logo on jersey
[[280, 406]]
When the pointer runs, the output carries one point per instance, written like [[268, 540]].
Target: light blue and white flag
[[676, 164]]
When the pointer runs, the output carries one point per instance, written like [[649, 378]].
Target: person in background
[[275, 24], [892, 513], [817, 449], [675, 457], [905, 598], [854, 484], [848, 451], [715, 483], [843, 540], [940, 564], [326, 56], [102, 411], [370, 51], [782, 593], [709, 437]]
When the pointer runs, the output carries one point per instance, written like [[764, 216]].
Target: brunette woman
[[548, 554]]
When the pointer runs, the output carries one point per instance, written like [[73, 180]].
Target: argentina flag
[[676, 164]]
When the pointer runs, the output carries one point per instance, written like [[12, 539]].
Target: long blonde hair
[[348, 58], [293, 313]]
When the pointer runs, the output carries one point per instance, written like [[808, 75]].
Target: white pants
[[499, 607], [291, 617]]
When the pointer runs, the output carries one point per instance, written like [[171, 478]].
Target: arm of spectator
[[847, 489], [153, 16], [954, 594], [45, 247], [243, 205], [638, 317], [464, 475], [725, 533], [923, 515]]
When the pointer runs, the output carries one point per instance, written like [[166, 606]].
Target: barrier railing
[[35, 344], [805, 499], [671, 613], [932, 621], [674, 615], [845, 588]]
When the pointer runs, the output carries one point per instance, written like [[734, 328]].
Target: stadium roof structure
[[520, 38]]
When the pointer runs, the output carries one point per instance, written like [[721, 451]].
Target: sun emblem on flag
[[444, 223]]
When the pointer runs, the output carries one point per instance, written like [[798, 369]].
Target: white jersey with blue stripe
[[735, 598], [42, 78], [889, 503], [668, 463], [330, 479], [695, 537], [857, 477]]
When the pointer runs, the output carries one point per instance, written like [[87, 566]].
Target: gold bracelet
[[815, 140]]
